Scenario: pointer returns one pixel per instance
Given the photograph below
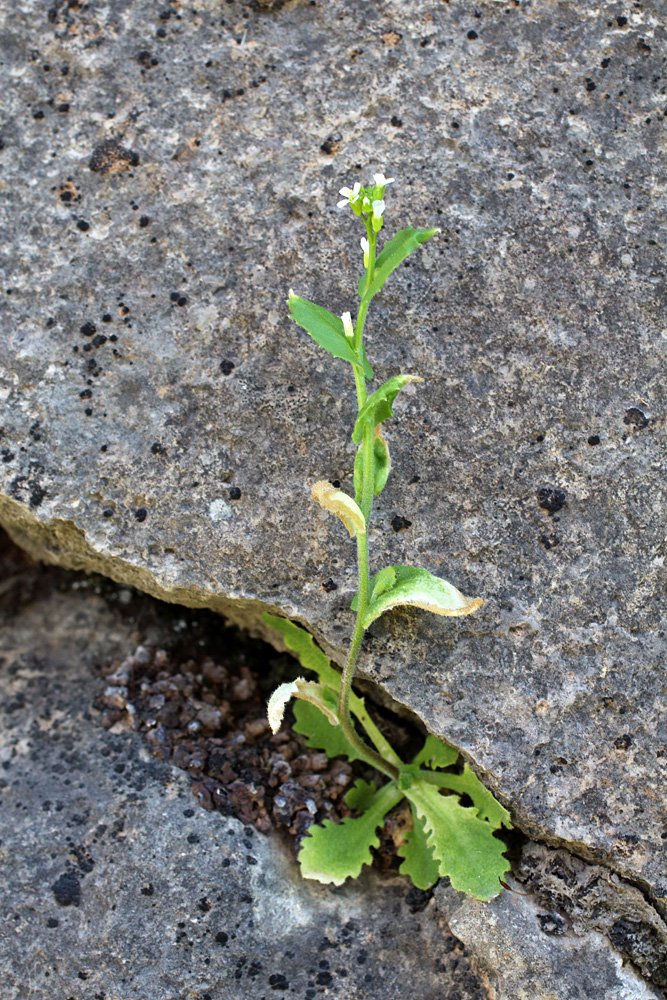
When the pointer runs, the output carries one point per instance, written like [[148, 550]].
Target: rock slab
[[169, 175]]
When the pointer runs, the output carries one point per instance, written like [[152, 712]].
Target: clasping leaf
[[395, 252], [420, 589], [342, 505], [327, 330], [378, 406], [382, 465]]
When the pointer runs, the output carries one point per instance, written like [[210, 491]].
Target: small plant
[[448, 837]]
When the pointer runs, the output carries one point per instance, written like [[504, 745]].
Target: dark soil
[[197, 689]]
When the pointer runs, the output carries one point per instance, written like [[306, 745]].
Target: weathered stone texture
[[149, 368], [115, 883]]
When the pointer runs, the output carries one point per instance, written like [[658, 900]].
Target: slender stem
[[365, 752], [346, 724]]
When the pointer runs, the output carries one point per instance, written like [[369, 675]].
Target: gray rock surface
[[532, 135], [114, 883], [529, 953]]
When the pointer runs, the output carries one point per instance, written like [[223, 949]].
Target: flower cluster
[[368, 201]]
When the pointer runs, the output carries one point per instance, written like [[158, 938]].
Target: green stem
[[365, 752], [346, 724]]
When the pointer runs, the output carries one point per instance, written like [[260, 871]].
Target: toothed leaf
[[360, 796], [378, 406], [463, 844], [436, 753], [486, 805], [320, 733], [419, 862], [336, 851], [393, 254], [420, 589], [302, 643]]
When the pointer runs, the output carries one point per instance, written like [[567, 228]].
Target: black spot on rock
[[400, 523], [593, 439], [396, 121], [141, 514], [111, 156], [67, 889], [157, 449], [83, 225], [635, 416], [88, 329], [99, 340], [551, 923], [234, 493], [331, 144], [221, 937], [227, 367], [278, 982], [551, 499], [472, 34], [330, 586], [623, 742]]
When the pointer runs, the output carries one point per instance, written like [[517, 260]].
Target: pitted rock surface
[[168, 179], [115, 883]]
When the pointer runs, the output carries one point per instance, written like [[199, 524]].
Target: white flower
[[376, 221], [366, 205], [347, 325], [378, 209], [381, 180], [366, 248], [349, 195]]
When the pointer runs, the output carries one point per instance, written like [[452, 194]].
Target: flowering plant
[[448, 837]]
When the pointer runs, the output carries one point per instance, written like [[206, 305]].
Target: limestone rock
[[163, 420]]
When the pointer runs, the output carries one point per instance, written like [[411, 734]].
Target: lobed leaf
[[488, 808], [393, 254], [463, 844], [360, 796], [436, 753], [420, 589], [320, 733], [302, 643], [378, 406], [326, 330], [335, 851], [311, 657], [419, 862]]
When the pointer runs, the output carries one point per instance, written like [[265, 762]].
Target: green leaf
[[488, 808], [419, 862], [381, 581], [302, 643], [463, 844], [393, 254], [320, 733], [336, 851], [419, 588], [382, 466], [360, 796], [378, 406], [327, 330], [436, 753], [311, 657]]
